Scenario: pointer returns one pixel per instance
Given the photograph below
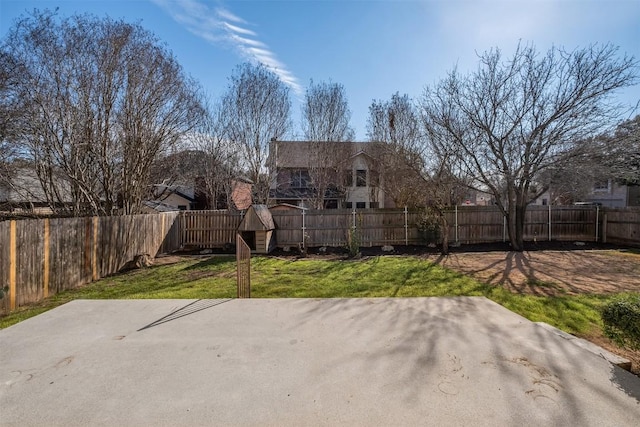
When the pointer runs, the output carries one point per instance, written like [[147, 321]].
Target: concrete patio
[[292, 362]]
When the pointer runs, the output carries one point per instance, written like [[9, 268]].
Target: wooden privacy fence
[[41, 257], [207, 229], [378, 227], [621, 226]]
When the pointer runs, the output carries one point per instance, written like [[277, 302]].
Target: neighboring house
[[477, 198], [178, 197], [613, 195], [345, 171], [24, 194]]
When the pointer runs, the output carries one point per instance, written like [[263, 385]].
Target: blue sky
[[374, 48]]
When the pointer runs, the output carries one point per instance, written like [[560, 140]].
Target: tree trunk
[[519, 238], [444, 225]]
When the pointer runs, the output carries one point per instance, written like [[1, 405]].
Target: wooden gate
[[243, 262]]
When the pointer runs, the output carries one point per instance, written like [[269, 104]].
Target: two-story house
[[609, 193], [326, 175]]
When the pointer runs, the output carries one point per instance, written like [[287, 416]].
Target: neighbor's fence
[[378, 227], [40, 257], [621, 226], [207, 229]]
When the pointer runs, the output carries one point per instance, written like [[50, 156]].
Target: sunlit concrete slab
[[293, 362]]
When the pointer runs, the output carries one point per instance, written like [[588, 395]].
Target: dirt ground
[[550, 272]]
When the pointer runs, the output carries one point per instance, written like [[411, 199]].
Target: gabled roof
[[257, 218], [181, 190]]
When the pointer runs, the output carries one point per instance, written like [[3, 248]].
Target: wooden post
[[406, 227], [45, 267], [549, 220], [12, 265], [94, 253], [597, 220], [87, 250], [163, 218], [604, 228]]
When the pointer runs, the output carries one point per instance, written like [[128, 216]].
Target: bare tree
[[221, 160], [255, 109], [326, 114], [10, 108], [401, 150], [325, 121], [102, 99], [623, 148], [511, 120], [418, 174]]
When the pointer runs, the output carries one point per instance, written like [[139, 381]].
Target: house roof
[[302, 154], [24, 186], [159, 206], [184, 191]]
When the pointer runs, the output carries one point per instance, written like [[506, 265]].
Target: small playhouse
[[257, 229]]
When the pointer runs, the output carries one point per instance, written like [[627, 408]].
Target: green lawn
[[388, 276]]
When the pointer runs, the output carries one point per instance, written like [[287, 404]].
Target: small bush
[[621, 319], [429, 226], [353, 242]]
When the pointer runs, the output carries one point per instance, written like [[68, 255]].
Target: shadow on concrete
[[194, 307]]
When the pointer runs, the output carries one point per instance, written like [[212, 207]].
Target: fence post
[[45, 267], [549, 221], [604, 228], [12, 265], [597, 220], [183, 224], [456, 220], [406, 228], [94, 252], [304, 229]]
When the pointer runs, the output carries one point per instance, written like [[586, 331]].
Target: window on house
[[348, 205], [348, 178], [182, 207], [361, 178], [331, 204], [300, 179], [361, 205], [544, 202], [374, 205], [601, 186]]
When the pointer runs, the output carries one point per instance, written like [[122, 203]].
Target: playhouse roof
[[257, 218]]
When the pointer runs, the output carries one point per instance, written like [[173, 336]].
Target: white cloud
[[225, 14], [220, 26], [239, 30]]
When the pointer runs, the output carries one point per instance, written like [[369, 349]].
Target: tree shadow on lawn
[[549, 273]]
